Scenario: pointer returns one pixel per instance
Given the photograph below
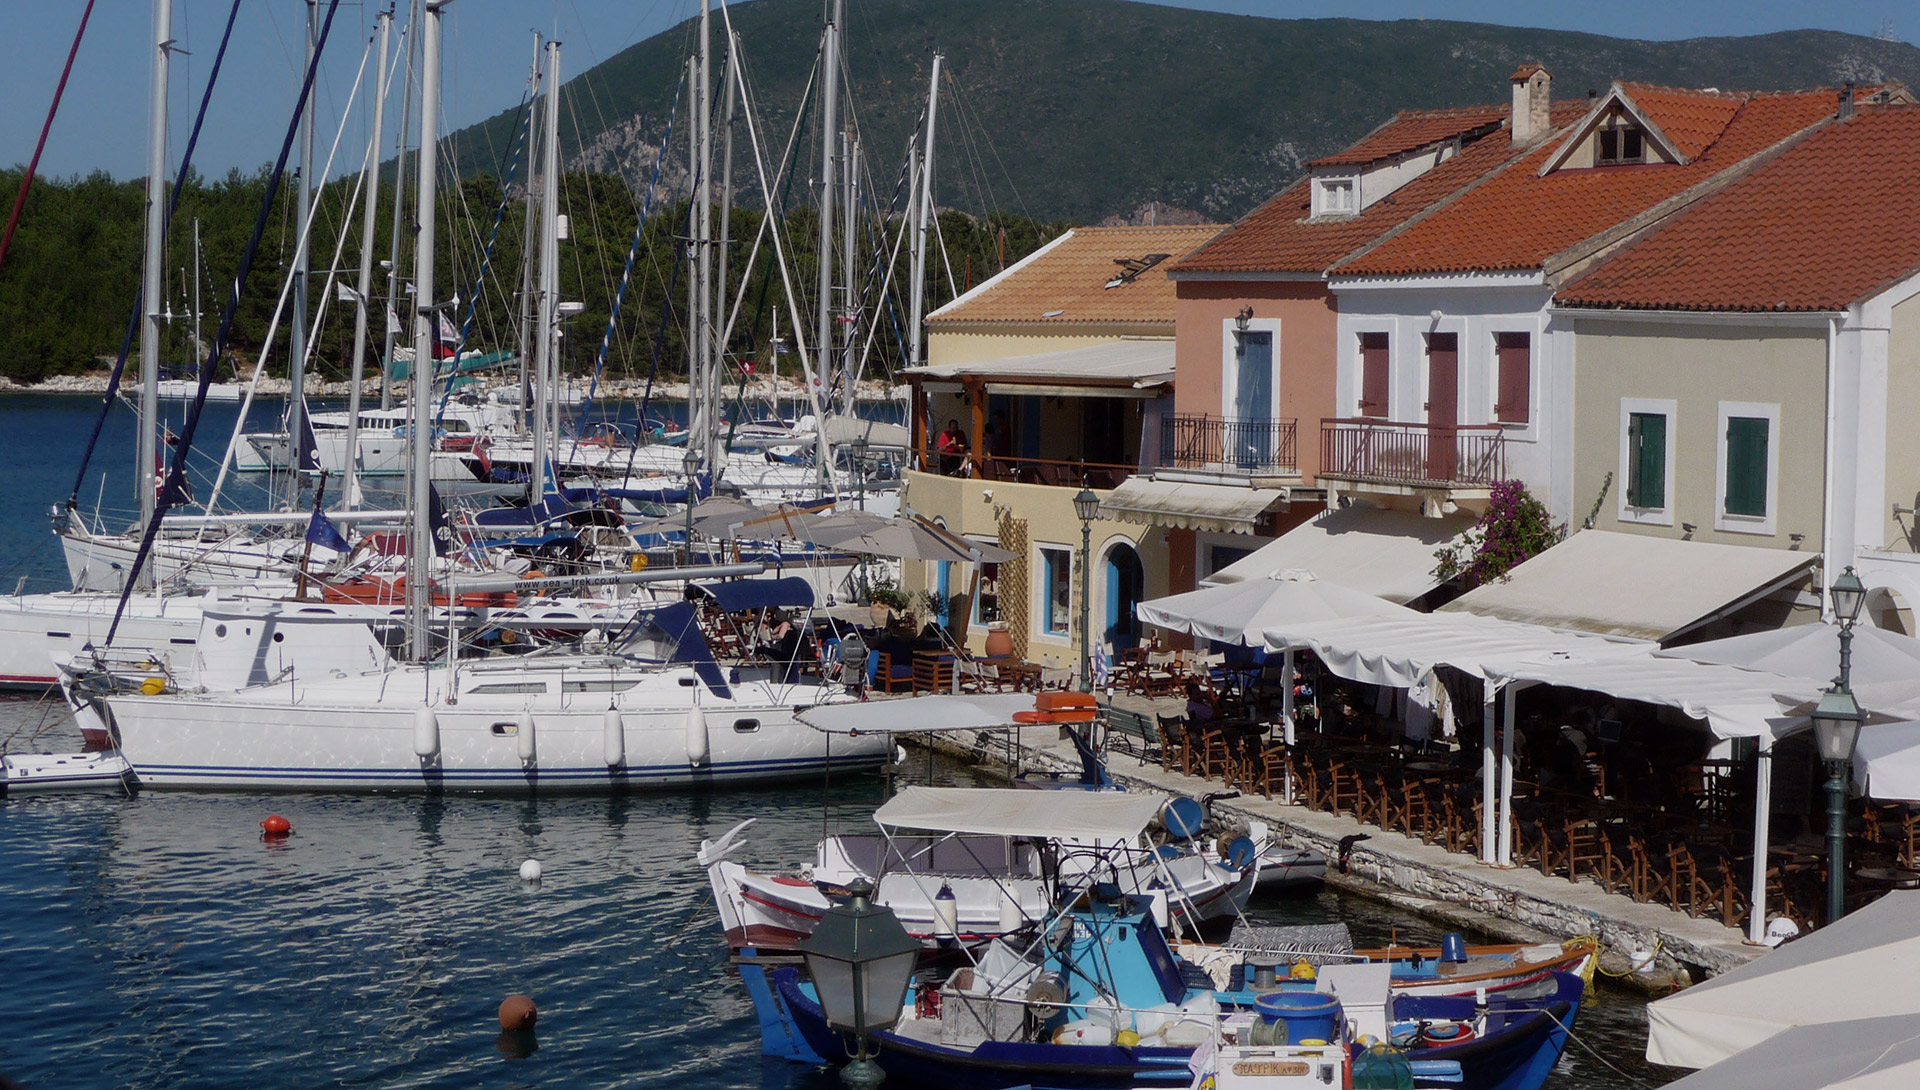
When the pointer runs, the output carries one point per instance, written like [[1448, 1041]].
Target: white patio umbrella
[[1865, 965], [1240, 612], [1813, 651], [907, 538]]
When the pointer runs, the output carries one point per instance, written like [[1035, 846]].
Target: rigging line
[[175, 488], [633, 250], [173, 205], [60, 89]]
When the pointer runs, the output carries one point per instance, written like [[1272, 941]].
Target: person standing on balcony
[[952, 446]]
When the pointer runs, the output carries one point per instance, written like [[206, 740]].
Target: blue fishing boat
[[1100, 1001]]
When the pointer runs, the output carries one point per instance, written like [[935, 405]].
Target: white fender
[[426, 732], [525, 736], [616, 738], [697, 751]]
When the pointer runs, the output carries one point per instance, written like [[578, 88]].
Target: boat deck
[[1516, 903]]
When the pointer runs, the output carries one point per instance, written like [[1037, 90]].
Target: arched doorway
[[1125, 582]]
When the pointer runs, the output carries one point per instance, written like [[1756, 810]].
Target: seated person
[[952, 445], [788, 644], [1200, 708]]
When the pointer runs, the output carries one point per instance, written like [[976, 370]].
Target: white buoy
[[528, 748], [616, 738], [697, 751], [530, 871], [946, 914], [426, 732], [1010, 915]]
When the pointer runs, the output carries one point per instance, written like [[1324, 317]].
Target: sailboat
[[651, 709]]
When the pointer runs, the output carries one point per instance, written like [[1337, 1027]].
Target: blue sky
[[489, 45]]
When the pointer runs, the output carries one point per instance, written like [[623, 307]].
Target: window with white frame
[[986, 591], [1056, 590], [1747, 467], [1336, 195], [1645, 477]]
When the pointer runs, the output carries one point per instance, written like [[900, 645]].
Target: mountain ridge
[[1086, 109]]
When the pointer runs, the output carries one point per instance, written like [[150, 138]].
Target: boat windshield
[[646, 640]]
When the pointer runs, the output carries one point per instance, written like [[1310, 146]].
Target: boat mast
[[371, 187], [923, 217], [302, 258], [703, 338], [395, 307], [722, 290], [425, 333], [829, 133], [549, 291], [196, 300], [146, 470], [849, 234]]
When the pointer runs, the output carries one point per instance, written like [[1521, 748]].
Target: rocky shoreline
[[95, 382]]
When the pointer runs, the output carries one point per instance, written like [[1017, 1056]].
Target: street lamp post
[[861, 961], [1836, 728], [859, 446], [1086, 505], [691, 462]]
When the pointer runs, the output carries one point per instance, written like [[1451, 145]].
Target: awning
[[918, 715], [843, 430], [1221, 508], [1861, 966], [1400, 652], [1131, 364], [1007, 811], [744, 594], [1648, 588], [1388, 554], [1886, 762]]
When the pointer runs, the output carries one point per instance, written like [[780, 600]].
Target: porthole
[[279, 637], [746, 726], [220, 631]]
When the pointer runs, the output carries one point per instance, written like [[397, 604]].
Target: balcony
[[1405, 459], [1057, 472], [1227, 445]]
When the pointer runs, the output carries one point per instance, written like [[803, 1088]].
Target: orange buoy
[[518, 1012], [275, 827]]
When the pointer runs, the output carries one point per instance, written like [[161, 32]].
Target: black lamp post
[[1836, 729], [1086, 505], [859, 446], [691, 462], [861, 961]]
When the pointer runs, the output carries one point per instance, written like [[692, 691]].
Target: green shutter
[[1747, 466], [1647, 460]]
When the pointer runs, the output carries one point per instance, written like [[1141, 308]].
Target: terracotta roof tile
[[1278, 236], [1071, 277], [1412, 129], [1827, 224], [1693, 120], [1518, 219]]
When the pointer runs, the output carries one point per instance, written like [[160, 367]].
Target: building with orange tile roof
[[1746, 371]]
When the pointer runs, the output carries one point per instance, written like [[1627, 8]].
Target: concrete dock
[[1518, 904]]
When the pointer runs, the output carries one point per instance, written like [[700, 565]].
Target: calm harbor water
[[158, 942]]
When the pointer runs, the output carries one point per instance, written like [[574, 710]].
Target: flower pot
[[999, 641], [882, 613]]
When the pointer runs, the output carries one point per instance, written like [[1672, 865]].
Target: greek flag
[[1102, 665]]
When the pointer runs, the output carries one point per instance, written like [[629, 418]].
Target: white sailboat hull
[[352, 737], [36, 630]]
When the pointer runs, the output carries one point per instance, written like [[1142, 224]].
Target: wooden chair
[[1570, 846], [889, 676], [1342, 791], [932, 672], [1266, 766], [1215, 754], [1622, 860], [1176, 751]]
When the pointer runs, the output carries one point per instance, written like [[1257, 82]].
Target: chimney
[[1846, 101], [1532, 99]]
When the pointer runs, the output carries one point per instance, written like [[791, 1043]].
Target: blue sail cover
[[740, 595], [548, 509], [680, 623], [664, 495]]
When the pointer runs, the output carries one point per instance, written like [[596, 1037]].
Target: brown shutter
[[1373, 374], [1513, 404]]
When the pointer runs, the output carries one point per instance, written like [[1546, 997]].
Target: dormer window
[[1619, 140], [1336, 195]]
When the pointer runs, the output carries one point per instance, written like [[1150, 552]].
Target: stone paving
[[1517, 903]]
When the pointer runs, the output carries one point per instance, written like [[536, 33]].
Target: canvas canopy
[[1224, 509], [1006, 811], [1384, 553], [1865, 965], [1632, 585], [1402, 651], [1868, 1054], [1241, 612], [1886, 762], [919, 715], [1813, 651]]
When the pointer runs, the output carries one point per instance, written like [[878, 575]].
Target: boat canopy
[[739, 595], [678, 625], [1006, 811]]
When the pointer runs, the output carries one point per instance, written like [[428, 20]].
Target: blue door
[[1249, 435], [1125, 583]]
